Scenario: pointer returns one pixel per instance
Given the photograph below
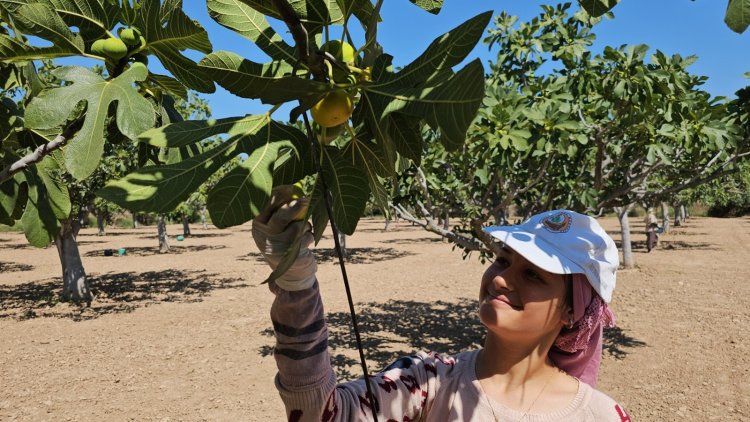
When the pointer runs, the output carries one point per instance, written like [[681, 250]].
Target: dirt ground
[[186, 336]]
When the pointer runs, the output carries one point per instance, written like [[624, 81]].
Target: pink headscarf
[[578, 350]]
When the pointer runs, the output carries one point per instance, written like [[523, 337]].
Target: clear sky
[[673, 26]]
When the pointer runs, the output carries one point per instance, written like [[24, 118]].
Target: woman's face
[[519, 300]]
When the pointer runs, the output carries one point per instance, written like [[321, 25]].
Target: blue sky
[[673, 26]]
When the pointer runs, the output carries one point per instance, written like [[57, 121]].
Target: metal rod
[[352, 312]]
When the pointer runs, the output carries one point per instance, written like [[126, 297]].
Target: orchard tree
[[66, 130], [595, 133], [526, 148], [351, 90], [653, 131]]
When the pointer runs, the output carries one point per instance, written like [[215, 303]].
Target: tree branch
[[430, 225], [41, 151], [307, 55], [423, 184]]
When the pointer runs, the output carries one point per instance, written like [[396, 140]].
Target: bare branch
[[41, 151], [423, 184], [585, 124], [430, 225], [540, 174]]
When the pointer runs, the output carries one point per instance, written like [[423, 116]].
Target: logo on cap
[[558, 223]]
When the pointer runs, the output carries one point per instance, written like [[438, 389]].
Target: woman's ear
[[567, 316]]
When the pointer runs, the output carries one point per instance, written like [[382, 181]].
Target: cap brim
[[536, 250]]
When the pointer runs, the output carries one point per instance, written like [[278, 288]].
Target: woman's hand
[[277, 228]]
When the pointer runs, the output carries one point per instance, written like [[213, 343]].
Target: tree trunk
[[136, 223], [664, 217], [163, 241], [388, 221], [683, 213], [75, 285], [82, 217], [185, 226], [677, 220], [447, 221], [203, 217], [500, 218], [628, 261], [100, 222]]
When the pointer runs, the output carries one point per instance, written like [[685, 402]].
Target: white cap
[[565, 242]]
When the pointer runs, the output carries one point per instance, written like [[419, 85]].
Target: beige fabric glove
[[275, 231]]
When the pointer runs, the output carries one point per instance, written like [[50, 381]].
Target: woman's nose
[[501, 278]]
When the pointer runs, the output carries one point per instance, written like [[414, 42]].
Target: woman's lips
[[503, 298]]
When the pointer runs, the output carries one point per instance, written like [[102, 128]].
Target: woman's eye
[[532, 275]]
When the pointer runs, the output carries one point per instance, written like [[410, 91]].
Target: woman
[[543, 302]]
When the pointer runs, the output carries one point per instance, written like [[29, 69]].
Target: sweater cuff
[[312, 393]]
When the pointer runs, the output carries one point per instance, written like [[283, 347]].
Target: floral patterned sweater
[[426, 387]]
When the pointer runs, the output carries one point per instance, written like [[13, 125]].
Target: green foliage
[[594, 132], [738, 15], [97, 112], [597, 8], [391, 107], [53, 107]]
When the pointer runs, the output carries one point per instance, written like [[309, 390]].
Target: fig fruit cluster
[[129, 43]]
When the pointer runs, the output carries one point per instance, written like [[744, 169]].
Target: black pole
[[352, 312]]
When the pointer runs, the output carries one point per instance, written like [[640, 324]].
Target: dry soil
[[186, 335]]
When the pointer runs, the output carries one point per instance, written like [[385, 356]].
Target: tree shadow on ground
[[15, 246], [114, 293], [416, 240], [397, 328], [678, 244], [640, 245], [353, 255], [206, 235], [154, 250], [80, 242], [10, 267], [616, 342], [680, 232], [155, 236], [360, 255], [112, 234]]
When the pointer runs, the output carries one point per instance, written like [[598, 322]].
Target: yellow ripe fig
[[333, 110], [298, 196], [298, 190], [343, 52], [114, 48]]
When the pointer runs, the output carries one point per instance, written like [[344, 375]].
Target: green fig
[[98, 47], [115, 48], [129, 37]]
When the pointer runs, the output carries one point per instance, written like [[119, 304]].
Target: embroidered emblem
[[558, 223]]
